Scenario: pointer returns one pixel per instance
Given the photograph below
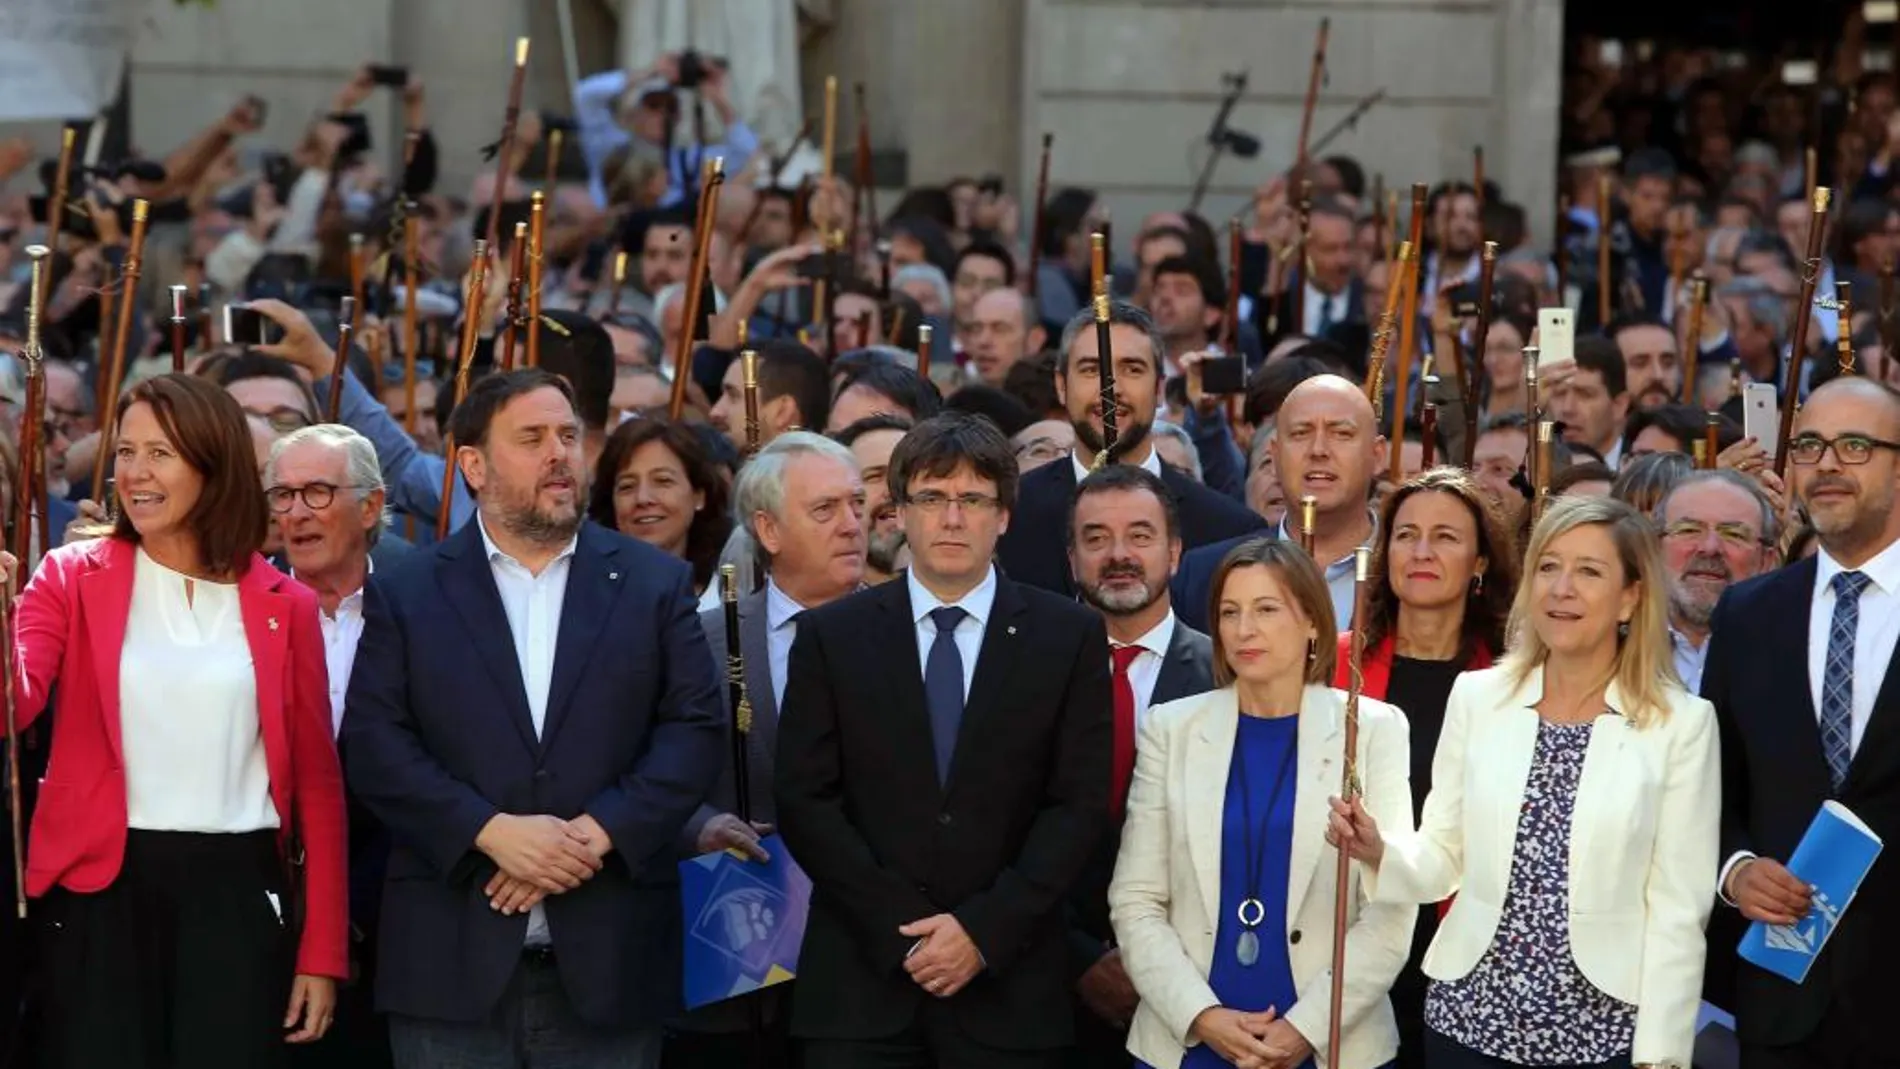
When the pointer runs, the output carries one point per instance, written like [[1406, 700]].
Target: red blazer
[[69, 631]]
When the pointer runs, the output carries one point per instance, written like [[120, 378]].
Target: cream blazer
[[1165, 898], [1643, 847]]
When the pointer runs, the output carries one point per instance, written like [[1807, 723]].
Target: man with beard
[[534, 715], [1455, 226], [1032, 550], [1798, 671], [1718, 529], [1124, 543], [872, 440]]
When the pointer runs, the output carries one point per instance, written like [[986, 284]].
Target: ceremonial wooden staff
[[713, 175], [1711, 440], [924, 337], [30, 486], [736, 695], [179, 323], [537, 233], [1532, 415], [749, 379], [517, 280], [1309, 536], [1297, 292], [1604, 289], [553, 162], [1035, 234], [821, 286], [1803, 315], [14, 813], [620, 281], [1844, 344], [1391, 224], [1883, 321], [1407, 323], [56, 208], [1692, 343], [1349, 790], [411, 333], [1545, 430], [345, 326], [1387, 327], [1104, 349], [358, 275], [1477, 186], [102, 376], [1313, 78], [1472, 377], [1428, 412], [471, 334], [505, 150], [205, 316], [115, 367], [1562, 230]]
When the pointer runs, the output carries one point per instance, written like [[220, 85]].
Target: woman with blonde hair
[[1223, 898], [1580, 743]]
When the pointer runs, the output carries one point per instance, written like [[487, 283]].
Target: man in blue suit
[[533, 715]]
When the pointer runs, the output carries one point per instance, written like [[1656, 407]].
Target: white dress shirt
[[194, 750], [780, 629], [1690, 660], [1150, 464], [533, 606], [969, 633], [1341, 575], [1331, 309], [1874, 637], [1145, 672], [341, 633]]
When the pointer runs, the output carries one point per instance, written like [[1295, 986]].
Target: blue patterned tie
[[1837, 684], [943, 686]]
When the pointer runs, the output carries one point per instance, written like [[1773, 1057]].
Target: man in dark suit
[[1033, 549], [943, 773], [801, 501], [1124, 542], [533, 715], [1793, 740]]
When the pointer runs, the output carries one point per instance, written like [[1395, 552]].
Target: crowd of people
[[1051, 709]]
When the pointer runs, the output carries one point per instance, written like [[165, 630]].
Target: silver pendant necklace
[[1252, 911]]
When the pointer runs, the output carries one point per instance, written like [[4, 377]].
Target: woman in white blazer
[[1223, 896], [1574, 810]]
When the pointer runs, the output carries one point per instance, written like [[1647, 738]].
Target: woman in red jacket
[[191, 757], [1443, 574]]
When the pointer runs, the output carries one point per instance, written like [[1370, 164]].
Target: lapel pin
[[613, 575], [1011, 630], [273, 623]]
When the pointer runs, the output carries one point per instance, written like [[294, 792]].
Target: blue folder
[[744, 922], [1833, 858]]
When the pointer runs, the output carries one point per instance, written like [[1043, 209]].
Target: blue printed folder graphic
[[1833, 857], [744, 922]]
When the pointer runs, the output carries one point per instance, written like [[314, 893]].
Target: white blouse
[[194, 754]]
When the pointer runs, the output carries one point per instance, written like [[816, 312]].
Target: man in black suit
[[943, 777], [1794, 739], [1124, 542], [1033, 549]]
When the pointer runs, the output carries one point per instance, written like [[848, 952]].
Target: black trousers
[[933, 1041], [183, 961], [1838, 1042], [1442, 1052]]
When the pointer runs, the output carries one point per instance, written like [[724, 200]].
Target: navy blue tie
[[943, 687]]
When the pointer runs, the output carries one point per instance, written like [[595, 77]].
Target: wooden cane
[[1349, 791], [345, 326], [1692, 343], [1035, 234], [115, 368], [1803, 316], [537, 232], [1408, 322], [471, 334], [712, 177]]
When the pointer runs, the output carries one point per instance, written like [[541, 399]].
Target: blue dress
[[1268, 750]]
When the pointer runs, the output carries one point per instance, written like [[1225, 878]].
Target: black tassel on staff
[[736, 695], [1104, 348]]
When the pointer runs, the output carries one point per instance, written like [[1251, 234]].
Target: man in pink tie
[[1124, 539]]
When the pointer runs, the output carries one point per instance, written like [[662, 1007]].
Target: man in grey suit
[[801, 501], [1124, 539]]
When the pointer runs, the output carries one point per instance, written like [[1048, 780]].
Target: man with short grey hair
[[1718, 528], [1758, 325], [801, 502]]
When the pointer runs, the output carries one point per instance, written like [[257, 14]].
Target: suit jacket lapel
[[755, 646], [1182, 675], [105, 599], [1321, 734], [1512, 751], [1211, 756], [995, 662], [910, 720], [593, 583], [267, 629], [468, 584]]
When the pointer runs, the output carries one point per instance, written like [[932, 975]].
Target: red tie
[[1123, 656]]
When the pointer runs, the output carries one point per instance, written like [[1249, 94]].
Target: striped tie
[[1837, 683]]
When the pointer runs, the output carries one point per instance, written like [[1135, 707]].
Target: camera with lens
[[693, 68]]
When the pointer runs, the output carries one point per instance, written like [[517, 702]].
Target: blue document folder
[[744, 922], [1833, 858]]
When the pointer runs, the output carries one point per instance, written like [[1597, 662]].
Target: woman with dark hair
[[656, 483], [189, 840], [1439, 590]]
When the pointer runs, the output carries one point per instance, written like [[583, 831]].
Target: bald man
[[1326, 445]]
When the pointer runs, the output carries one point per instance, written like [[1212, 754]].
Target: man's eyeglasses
[[934, 501], [316, 496], [1850, 448], [1733, 535]]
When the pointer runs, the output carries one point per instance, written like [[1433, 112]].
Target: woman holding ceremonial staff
[[1579, 744], [1224, 894], [1443, 575], [188, 847]]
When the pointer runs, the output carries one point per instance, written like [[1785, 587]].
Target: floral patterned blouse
[[1526, 1001]]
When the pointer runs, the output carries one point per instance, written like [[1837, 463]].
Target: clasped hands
[[539, 855], [1251, 1040], [944, 959]]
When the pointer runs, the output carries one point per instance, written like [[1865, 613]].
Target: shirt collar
[[780, 607], [1883, 568], [494, 552], [353, 600], [1158, 638], [977, 602], [1150, 464], [1682, 642], [1285, 533]]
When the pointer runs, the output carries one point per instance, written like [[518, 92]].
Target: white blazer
[[1165, 898], [1643, 847]]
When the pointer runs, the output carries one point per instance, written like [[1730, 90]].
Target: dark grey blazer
[[763, 739]]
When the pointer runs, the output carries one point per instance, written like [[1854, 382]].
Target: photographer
[[633, 116]]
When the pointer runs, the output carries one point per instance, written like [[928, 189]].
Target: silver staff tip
[[38, 252]]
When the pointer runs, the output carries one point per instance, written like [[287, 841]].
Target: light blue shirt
[[781, 627], [596, 103], [1341, 575], [1689, 659], [969, 634]]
